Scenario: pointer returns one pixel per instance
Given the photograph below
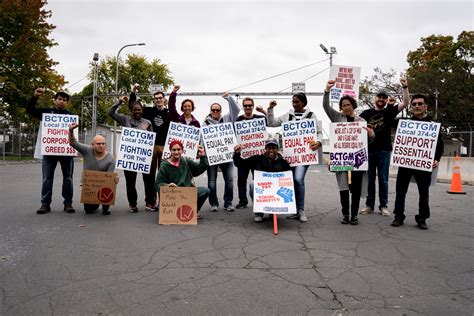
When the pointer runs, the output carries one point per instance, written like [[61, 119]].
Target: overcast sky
[[221, 45]]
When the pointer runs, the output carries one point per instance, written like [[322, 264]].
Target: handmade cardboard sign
[[98, 187], [348, 146], [54, 137], [274, 192], [415, 144], [178, 206], [297, 136]]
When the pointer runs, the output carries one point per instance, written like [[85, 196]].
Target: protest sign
[[415, 144], [274, 192], [219, 142], [55, 134], [186, 134], [348, 146], [297, 135], [98, 187], [251, 135], [347, 82], [178, 206], [135, 150]]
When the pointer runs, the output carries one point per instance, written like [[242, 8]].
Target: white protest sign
[[348, 146], [297, 87], [135, 150], [347, 82], [219, 142], [186, 134], [415, 144], [251, 135], [297, 136], [55, 134], [274, 192]]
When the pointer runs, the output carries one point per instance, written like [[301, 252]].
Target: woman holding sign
[[138, 122], [358, 179], [299, 112], [179, 171]]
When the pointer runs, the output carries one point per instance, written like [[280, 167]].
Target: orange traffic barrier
[[456, 183]]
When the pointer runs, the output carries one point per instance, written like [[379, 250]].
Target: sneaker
[[68, 208], [199, 216], [105, 212], [422, 226], [293, 216], [396, 223], [241, 205], [345, 220], [302, 216], [43, 209], [258, 218], [151, 207], [354, 220], [214, 209], [229, 208], [384, 211], [133, 209], [366, 210]]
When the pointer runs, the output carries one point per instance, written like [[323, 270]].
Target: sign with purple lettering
[[297, 137], [348, 146], [347, 82], [415, 144]]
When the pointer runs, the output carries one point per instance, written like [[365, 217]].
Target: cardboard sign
[[219, 142], [54, 137], [188, 135], [348, 146], [274, 193], [347, 82], [178, 206], [297, 135], [135, 150], [98, 187], [415, 144], [251, 135]]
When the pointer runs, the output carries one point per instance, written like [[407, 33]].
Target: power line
[[72, 85], [274, 76]]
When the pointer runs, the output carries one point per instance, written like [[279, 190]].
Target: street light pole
[[116, 89], [332, 51], [94, 96]]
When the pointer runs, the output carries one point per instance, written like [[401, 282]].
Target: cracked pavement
[[123, 264]]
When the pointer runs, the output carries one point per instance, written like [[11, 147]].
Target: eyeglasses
[[248, 105], [417, 103], [215, 110]]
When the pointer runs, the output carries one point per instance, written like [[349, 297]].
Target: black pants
[[423, 181], [355, 188], [242, 175], [148, 181], [91, 208]]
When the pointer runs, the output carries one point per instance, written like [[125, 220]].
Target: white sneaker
[[366, 210], [302, 215], [384, 211], [258, 218], [214, 209]]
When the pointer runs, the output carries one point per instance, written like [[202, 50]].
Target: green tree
[[135, 69], [443, 66], [24, 60]]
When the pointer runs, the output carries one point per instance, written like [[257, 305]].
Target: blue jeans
[[228, 174], [49, 165], [379, 163], [202, 193], [299, 173]]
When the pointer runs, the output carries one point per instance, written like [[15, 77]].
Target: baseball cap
[[382, 93], [272, 141]]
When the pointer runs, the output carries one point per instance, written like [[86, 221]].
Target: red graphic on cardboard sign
[[105, 195], [185, 213]]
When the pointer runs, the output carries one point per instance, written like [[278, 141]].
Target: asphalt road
[[126, 264]]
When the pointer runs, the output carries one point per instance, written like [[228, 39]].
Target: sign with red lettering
[[219, 142], [178, 206], [251, 135], [297, 137], [415, 144], [347, 82], [98, 187], [54, 138], [187, 134], [274, 193], [348, 146]]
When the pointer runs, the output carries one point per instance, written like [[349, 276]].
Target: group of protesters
[[178, 170]]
